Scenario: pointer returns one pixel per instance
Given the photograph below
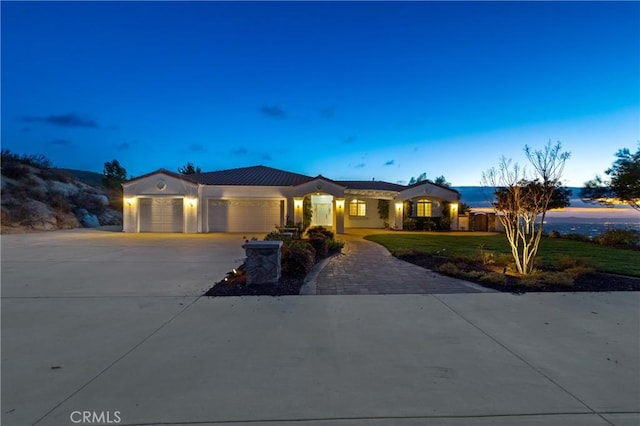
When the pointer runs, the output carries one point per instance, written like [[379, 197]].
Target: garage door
[[244, 215], [161, 215]]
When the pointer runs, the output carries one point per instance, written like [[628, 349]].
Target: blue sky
[[350, 90]]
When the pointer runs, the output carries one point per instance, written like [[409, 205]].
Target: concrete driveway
[[112, 325]]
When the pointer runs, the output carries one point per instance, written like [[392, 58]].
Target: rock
[[87, 219], [101, 198], [39, 216], [65, 189], [110, 217]]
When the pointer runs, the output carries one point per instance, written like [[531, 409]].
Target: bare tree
[[522, 200]]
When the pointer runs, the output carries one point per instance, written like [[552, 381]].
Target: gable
[[321, 185], [430, 190], [160, 183]]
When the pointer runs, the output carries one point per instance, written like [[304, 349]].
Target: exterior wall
[[160, 186], [372, 218]]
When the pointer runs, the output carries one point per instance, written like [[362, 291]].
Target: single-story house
[[259, 198]]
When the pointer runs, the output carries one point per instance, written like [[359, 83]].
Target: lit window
[[357, 208], [423, 208]]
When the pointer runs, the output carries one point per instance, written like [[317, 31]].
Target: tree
[[624, 186], [189, 169], [442, 181], [420, 178], [113, 175], [522, 200]]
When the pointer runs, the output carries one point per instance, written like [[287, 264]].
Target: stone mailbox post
[[264, 260]]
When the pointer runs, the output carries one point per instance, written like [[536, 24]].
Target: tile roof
[[374, 185], [252, 176]]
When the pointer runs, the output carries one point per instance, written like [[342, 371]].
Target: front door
[[322, 206]]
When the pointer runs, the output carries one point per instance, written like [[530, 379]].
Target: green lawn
[[604, 259]]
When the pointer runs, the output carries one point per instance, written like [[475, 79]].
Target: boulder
[[88, 220], [110, 217], [39, 216]]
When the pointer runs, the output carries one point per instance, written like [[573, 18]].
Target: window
[[357, 208], [423, 208]]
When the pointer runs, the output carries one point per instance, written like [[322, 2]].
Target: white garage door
[[244, 215], [161, 215]]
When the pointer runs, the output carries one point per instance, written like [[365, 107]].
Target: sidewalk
[[365, 267]]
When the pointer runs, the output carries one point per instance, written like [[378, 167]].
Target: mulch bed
[[288, 285], [592, 282]]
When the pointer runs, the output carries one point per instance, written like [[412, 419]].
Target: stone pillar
[[264, 261]]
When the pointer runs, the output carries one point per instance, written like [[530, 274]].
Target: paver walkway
[[365, 267]]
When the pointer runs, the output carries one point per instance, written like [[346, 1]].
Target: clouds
[[351, 139], [389, 163], [328, 112], [240, 151], [122, 146], [273, 111], [64, 120]]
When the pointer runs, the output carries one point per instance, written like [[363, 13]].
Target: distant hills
[[476, 196]]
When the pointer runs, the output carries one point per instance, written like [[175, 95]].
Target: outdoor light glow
[[129, 201], [297, 204], [399, 206], [340, 204], [193, 201]]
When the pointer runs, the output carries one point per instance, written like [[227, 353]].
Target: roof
[[268, 176], [188, 178], [375, 185], [251, 176]]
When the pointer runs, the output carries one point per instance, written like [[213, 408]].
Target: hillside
[[36, 197]]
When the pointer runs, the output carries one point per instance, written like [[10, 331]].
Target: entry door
[[323, 215]]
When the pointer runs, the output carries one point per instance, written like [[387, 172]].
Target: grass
[[604, 259]]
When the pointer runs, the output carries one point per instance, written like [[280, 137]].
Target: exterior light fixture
[[340, 203], [297, 204], [128, 201]]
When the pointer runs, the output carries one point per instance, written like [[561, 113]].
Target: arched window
[[423, 208], [357, 208]]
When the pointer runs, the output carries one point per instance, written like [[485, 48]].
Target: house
[[258, 198]]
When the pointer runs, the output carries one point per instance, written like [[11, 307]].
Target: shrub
[[319, 244], [449, 268], [88, 201], [335, 245], [565, 262], [578, 271], [277, 236], [540, 278], [298, 257], [619, 238], [555, 234], [59, 203], [328, 234], [14, 170], [577, 237], [493, 278]]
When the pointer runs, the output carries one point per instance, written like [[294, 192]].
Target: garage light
[[340, 203], [129, 201]]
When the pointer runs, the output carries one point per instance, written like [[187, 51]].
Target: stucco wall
[[372, 219]]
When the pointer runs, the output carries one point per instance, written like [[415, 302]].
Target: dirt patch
[[288, 285], [594, 282]]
